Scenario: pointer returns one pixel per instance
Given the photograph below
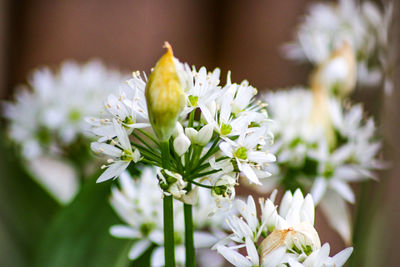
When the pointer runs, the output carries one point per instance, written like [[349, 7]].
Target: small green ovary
[[240, 153], [128, 120], [226, 129], [220, 190], [126, 155], [193, 100]]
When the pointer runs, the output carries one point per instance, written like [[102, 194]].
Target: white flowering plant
[[139, 204], [322, 158], [46, 121], [363, 26], [278, 237], [200, 134]]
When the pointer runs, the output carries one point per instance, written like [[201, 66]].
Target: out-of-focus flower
[[49, 112], [328, 25], [139, 204], [308, 159], [290, 238], [46, 119]]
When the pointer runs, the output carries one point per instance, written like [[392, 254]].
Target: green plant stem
[[189, 241], [168, 209], [169, 249]]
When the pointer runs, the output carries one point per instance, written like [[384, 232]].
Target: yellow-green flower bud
[[164, 96]]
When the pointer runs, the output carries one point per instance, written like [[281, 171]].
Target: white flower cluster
[[309, 159], [289, 236], [48, 113], [220, 132], [365, 27], [139, 203]]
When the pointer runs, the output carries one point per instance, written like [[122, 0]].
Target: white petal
[[285, 203], [341, 258], [204, 239], [308, 210], [139, 248], [105, 149], [273, 258], [226, 149], [338, 214], [157, 257], [252, 251], [123, 231], [318, 189], [249, 173], [113, 170], [343, 189], [234, 257], [122, 135]]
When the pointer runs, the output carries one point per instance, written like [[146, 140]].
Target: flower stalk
[[189, 240], [168, 211]]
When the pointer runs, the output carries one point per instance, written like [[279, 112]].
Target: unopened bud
[[181, 144], [338, 74], [191, 133], [204, 135], [164, 96], [301, 238]]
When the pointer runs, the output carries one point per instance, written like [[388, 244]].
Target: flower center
[[126, 155], [241, 153], [193, 100], [226, 129]]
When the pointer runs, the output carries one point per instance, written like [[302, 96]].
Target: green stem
[[201, 185], [169, 250], [189, 241], [168, 209]]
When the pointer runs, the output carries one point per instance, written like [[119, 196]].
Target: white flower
[[139, 204], [218, 132], [128, 108], [328, 25], [121, 153], [49, 113], [249, 153], [290, 238], [46, 120], [171, 183], [304, 153]]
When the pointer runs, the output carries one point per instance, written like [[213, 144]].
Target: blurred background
[[242, 36]]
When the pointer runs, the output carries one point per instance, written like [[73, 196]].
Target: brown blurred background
[[242, 36]]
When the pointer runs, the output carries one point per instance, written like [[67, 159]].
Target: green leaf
[[79, 234], [25, 210]]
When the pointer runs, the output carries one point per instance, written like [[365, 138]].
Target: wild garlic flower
[[138, 201], [48, 113], [365, 27], [220, 130], [288, 235], [308, 159], [46, 121]]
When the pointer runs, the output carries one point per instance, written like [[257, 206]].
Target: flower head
[[322, 164], [289, 236]]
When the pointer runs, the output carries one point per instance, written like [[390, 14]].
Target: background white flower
[[306, 159], [330, 23], [46, 120]]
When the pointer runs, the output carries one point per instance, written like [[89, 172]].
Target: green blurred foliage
[[25, 210]]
